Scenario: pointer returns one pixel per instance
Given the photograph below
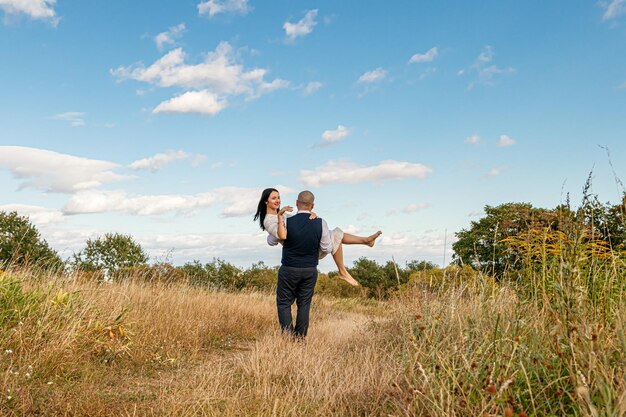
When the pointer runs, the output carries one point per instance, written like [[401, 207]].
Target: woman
[[267, 214]]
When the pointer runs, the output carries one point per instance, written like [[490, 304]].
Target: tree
[[616, 227], [604, 222], [482, 246], [109, 254], [21, 244]]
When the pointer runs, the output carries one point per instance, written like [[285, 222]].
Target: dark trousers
[[295, 284]]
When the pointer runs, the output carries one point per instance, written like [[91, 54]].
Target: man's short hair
[[306, 198]]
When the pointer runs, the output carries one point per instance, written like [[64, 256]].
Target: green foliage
[[572, 258], [21, 244], [162, 272], [15, 303], [603, 222], [109, 255], [414, 266], [481, 246], [513, 234], [381, 281], [217, 274], [260, 277], [330, 284], [377, 281]]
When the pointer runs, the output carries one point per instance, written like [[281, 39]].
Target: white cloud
[[158, 161], [68, 241], [429, 56], [614, 9], [266, 88], [301, 28], [238, 248], [330, 137], [35, 9], [213, 7], [347, 172], [312, 87], [352, 229], [207, 243], [203, 102], [473, 140], [211, 81], [99, 201], [36, 214], [242, 201], [75, 118], [56, 172], [379, 74], [411, 208], [505, 141], [493, 172], [404, 247], [170, 36], [237, 202], [485, 71]]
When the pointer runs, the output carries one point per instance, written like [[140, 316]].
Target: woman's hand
[[284, 209], [312, 216]]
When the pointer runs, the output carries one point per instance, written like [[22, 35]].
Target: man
[[303, 239]]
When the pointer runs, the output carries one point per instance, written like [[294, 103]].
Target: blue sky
[[165, 121]]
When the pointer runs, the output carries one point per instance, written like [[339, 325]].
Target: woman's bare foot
[[345, 275], [370, 240]]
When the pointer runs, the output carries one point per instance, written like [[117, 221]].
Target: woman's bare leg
[[343, 272], [349, 239]]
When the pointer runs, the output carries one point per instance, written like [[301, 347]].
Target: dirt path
[[263, 377]]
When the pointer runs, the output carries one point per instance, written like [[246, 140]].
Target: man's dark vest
[[301, 248]]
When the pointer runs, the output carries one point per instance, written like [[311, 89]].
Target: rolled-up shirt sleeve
[[326, 243]]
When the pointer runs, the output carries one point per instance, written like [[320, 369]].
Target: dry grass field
[[148, 349], [71, 348]]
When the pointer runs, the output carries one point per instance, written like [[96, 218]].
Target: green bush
[[381, 281], [162, 272], [330, 284], [15, 303], [260, 277], [217, 274]]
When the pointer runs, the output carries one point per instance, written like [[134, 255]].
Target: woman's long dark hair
[[261, 210]]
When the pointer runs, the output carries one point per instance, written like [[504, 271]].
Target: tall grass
[[452, 343], [548, 341]]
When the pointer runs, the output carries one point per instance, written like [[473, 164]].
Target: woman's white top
[[271, 226]]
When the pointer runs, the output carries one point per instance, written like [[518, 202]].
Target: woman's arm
[[282, 230]]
